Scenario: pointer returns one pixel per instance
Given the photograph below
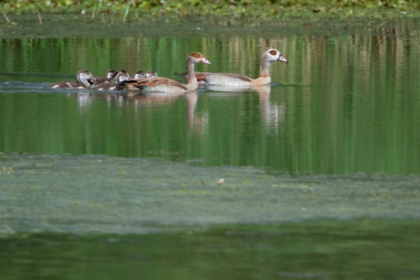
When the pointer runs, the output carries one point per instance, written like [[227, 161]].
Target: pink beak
[[281, 58], [204, 60]]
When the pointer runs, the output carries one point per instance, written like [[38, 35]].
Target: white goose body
[[232, 79], [226, 79]]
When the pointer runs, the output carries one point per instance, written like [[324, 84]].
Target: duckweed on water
[[101, 194]]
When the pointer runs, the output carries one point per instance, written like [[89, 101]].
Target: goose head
[[273, 55], [197, 57], [109, 74], [139, 75], [86, 78], [151, 74], [121, 76], [148, 74]]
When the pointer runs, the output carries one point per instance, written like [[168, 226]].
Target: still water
[[321, 169], [344, 103]]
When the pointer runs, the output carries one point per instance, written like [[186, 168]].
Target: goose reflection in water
[[84, 99], [271, 113], [152, 99], [198, 123], [122, 99]]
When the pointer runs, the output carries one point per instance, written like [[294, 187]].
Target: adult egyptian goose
[[113, 82], [165, 85], [231, 79], [84, 79]]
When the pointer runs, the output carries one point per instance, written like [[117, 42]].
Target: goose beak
[[205, 60], [281, 58]]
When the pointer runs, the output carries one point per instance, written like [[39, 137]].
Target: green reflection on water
[[348, 100], [283, 130], [360, 249]]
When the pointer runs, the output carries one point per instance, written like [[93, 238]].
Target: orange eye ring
[[196, 55]]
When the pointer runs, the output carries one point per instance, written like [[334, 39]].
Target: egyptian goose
[[165, 85], [139, 75], [148, 74], [119, 76], [113, 82], [231, 79], [84, 79], [108, 76], [151, 74]]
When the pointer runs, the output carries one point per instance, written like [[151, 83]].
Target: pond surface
[[315, 176], [344, 103]]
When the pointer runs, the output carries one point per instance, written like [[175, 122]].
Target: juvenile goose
[[231, 79], [113, 82], [158, 84], [119, 76], [108, 76], [139, 75], [148, 74], [84, 79], [151, 74]]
